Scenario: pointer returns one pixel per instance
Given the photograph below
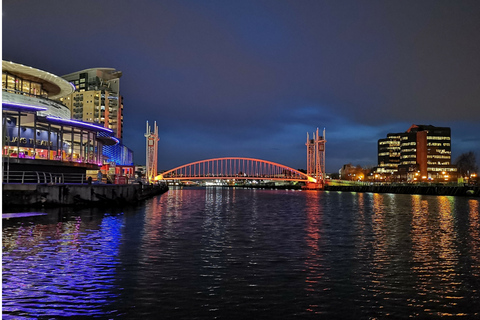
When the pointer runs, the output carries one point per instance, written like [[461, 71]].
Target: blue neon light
[[20, 106], [119, 154]]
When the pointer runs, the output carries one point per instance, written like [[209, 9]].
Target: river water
[[220, 253]]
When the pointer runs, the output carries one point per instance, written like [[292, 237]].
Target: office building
[[422, 153], [389, 153]]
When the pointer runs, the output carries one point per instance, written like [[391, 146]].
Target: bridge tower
[[152, 152], [316, 159]]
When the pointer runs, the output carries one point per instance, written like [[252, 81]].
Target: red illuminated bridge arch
[[234, 168]]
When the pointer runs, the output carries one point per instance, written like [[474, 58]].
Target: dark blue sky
[[251, 78]]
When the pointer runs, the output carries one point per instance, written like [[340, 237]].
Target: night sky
[[251, 78]]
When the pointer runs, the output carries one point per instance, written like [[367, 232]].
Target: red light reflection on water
[[313, 230]]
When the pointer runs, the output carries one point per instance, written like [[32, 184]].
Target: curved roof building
[[23, 85], [39, 134], [54, 87]]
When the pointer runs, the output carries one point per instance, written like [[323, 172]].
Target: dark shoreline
[[16, 196]]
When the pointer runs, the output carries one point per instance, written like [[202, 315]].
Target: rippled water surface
[[245, 254]]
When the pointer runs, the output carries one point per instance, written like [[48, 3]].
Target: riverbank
[[435, 190], [38, 195]]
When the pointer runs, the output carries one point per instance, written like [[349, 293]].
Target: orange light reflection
[[474, 230], [313, 228]]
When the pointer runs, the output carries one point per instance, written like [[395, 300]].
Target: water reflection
[[234, 253], [383, 276], [59, 270], [212, 254], [313, 261], [422, 249], [436, 257], [474, 230]]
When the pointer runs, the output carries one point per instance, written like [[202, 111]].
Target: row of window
[[405, 154], [390, 143], [436, 144], [442, 169], [19, 85], [437, 156], [389, 165], [433, 166], [438, 163], [437, 138]]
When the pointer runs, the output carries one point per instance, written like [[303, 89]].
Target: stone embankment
[[35, 195], [412, 189]]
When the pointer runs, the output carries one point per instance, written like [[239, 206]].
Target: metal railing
[[39, 177]]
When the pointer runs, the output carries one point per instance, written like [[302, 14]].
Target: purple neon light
[[51, 288], [78, 123], [22, 106]]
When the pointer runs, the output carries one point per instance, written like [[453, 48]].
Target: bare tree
[[466, 163]]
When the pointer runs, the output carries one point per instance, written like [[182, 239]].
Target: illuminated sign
[[28, 140]]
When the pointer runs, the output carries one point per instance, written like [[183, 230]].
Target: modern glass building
[[38, 132]]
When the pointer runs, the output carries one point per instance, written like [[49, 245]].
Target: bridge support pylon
[[152, 152], [316, 160]]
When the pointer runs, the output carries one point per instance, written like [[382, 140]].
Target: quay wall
[[77, 194], [411, 189]]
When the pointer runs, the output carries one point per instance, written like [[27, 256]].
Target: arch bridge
[[235, 168]]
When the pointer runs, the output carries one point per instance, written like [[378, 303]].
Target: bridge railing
[[235, 168]]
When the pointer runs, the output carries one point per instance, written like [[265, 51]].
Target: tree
[[466, 164]]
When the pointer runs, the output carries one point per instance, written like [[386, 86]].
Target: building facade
[[96, 98], [38, 132], [422, 153], [389, 153]]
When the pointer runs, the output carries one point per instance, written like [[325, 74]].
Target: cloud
[[252, 78]]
